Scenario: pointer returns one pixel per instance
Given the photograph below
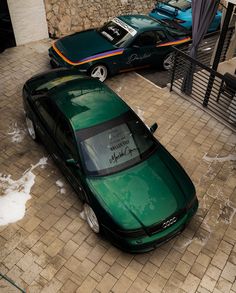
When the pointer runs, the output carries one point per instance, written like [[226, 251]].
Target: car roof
[[141, 22], [87, 102]]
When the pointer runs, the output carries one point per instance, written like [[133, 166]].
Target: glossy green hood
[[83, 44], [142, 195]]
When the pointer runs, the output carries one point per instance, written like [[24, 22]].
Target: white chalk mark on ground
[[219, 159], [82, 215], [60, 184], [119, 89], [226, 210], [15, 193], [139, 112], [17, 134]]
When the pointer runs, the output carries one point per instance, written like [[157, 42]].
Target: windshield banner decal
[[125, 26]]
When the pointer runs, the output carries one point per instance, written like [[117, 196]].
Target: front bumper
[[56, 61], [147, 243]]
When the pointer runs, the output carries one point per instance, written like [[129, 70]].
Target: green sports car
[[125, 43], [132, 189]]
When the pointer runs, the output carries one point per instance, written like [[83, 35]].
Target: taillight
[[192, 202], [179, 20]]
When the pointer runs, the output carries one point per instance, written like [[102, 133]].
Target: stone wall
[[67, 16]]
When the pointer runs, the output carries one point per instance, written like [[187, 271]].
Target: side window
[[65, 138], [48, 112], [145, 39], [160, 37]]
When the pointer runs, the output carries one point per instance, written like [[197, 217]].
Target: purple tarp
[[203, 12]]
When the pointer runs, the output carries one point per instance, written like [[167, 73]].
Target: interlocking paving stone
[[53, 250]]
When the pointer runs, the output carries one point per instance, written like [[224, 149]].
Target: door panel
[[144, 50], [67, 149], [51, 122]]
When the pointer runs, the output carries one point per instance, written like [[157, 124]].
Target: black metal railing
[[222, 98], [206, 47]]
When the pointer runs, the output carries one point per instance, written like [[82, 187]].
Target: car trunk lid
[[82, 45]]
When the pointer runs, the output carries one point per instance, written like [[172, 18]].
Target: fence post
[[173, 71], [218, 52]]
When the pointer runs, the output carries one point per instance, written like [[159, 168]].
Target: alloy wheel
[[91, 218], [100, 72], [30, 128], [168, 61]]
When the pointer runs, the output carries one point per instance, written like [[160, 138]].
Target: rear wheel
[[168, 61], [91, 218], [99, 71], [31, 128]]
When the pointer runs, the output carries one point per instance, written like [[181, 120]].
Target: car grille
[[166, 223]]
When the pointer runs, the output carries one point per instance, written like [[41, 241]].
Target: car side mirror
[[154, 127]]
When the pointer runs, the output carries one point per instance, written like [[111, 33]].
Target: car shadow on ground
[[159, 77]]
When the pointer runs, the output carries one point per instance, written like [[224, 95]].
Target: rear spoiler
[[160, 6]]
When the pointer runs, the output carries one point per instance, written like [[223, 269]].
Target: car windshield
[[115, 145], [117, 32], [179, 4]]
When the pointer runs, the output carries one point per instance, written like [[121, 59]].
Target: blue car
[[181, 12]]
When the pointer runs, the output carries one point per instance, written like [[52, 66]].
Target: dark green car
[[125, 43], [133, 190]]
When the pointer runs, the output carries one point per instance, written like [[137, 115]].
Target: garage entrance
[[7, 38]]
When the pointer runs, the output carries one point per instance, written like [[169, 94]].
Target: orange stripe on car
[[88, 59], [174, 42]]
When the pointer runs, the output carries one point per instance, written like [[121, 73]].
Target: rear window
[[117, 32], [181, 4], [45, 87]]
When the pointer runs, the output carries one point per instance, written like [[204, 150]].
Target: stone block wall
[[68, 16]]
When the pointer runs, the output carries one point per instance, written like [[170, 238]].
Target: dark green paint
[[83, 44], [136, 198], [142, 192]]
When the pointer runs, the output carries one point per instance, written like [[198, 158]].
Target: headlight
[[192, 202]]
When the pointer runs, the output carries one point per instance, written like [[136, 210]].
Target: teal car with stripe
[[125, 43]]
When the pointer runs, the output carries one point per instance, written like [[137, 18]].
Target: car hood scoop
[[82, 45], [148, 192]]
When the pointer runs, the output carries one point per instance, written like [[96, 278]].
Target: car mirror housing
[[135, 46], [71, 162], [154, 127]]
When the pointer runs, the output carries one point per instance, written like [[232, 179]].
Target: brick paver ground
[[52, 249]]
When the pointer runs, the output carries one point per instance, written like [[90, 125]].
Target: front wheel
[[168, 61], [91, 218], [100, 72]]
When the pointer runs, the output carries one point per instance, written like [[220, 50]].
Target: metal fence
[[210, 89], [206, 47]]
